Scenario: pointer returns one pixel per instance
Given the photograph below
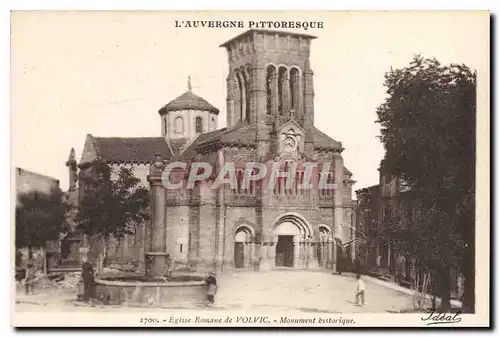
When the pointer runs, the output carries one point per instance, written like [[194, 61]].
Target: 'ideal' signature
[[441, 318]]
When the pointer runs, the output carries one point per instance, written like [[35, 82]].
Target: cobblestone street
[[277, 290]]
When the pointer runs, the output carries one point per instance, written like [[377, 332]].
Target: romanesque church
[[270, 120]]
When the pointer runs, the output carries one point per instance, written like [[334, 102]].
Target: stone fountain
[[152, 288]]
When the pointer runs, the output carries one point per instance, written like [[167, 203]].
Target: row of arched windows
[[282, 90], [179, 125], [281, 187]]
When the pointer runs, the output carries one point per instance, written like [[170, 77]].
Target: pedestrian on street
[[400, 269], [88, 279], [211, 281], [360, 291], [29, 279]]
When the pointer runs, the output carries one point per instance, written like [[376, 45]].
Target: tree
[[111, 207], [428, 131], [40, 217]]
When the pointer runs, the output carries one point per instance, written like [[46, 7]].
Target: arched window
[[246, 81], [324, 230], [241, 96], [240, 181], [270, 88], [179, 125], [297, 181], [199, 125], [213, 124], [294, 88], [320, 178], [242, 251], [282, 89], [332, 180], [251, 187]]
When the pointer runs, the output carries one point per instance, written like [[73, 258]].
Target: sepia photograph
[[250, 169]]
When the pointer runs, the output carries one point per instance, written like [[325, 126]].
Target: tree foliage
[[40, 217], [428, 131], [112, 206], [428, 124]]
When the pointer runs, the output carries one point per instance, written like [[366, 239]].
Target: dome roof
[[188, 101]]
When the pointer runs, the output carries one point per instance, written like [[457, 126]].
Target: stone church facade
[[270, 120]]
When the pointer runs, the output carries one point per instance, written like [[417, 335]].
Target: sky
[[108, 74]]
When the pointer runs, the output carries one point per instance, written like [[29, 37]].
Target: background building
[[27, 182], [378, 206]]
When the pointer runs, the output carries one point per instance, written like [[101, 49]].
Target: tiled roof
[[131, 150], [321, 140], [21, 171], [245, 134], [177, 144], [190, 152], [142, 150], [188, 101], [242, 133], [324, 141]]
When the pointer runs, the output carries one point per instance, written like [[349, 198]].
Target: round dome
[[188, 101]]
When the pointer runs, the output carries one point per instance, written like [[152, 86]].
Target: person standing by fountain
[[29, 279], [88, 279], [211, 281]]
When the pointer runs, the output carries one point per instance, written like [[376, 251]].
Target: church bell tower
[[270, 80]]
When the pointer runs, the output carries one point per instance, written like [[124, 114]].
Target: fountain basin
[[141, 291]]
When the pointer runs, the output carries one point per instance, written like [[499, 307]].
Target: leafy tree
[[428, 131], [40, 217], [111, 207]]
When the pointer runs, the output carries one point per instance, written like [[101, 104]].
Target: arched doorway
[[286, 233], [293, 242], [243, 246]]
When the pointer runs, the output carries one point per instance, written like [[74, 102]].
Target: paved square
[[306, 291], [272, 291]]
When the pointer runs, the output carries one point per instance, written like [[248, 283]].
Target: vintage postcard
[[250, 169]]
